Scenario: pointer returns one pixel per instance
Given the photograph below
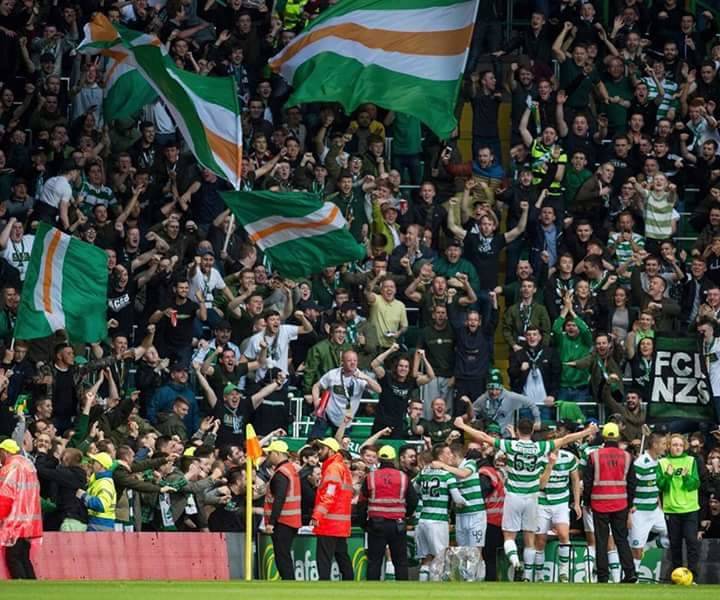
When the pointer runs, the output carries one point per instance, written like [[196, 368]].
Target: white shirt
[[207, 284], [56, 191], [18, 253], [277, 352], [342, 388], [712, 361], [202, 353]]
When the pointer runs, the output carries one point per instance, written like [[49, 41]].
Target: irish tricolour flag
[[298, 231], [205, 109], [65, 289], [404, 55], [125, 91]]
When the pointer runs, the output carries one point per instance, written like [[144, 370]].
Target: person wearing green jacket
[[678, 478], [325, 355], [573, 340]]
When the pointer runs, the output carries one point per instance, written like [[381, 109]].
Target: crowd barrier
[[219, 557]]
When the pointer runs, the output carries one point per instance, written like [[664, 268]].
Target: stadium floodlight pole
[[252, 453]]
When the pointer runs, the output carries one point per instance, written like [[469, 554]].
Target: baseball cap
[[387, 453], [276, 446], [47, 57], [346, 306], [308, 305], [178, 365], [190, 451], [610, 431], [103, 458], [10, 446], [205, 252], [388, 206], [495, 381], [231, 387], [223, 324], [331, 443]]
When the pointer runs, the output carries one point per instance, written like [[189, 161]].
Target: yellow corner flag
[[253, 452]]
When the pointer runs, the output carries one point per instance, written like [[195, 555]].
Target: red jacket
[[495, 502], [386, 493], [333, 500], [609, 467], [20, 501]]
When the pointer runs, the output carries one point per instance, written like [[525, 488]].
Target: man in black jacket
[[694, 290], [65, 480], [535, 371], [473, 354]]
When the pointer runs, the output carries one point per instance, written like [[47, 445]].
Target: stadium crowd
[[568, 249]]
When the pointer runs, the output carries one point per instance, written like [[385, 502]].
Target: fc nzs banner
[[679, 388]]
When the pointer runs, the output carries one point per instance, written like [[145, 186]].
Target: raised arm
[[472, 433]]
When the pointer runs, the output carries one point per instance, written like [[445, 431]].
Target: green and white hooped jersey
[[433, 487], [646, 490], [524, 464], [470, 490], [585, 453], [557, 489]]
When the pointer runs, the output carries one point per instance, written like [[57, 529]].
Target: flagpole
[[248, 517], [229, 232]]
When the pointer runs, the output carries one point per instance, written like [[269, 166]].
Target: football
[[682, 576]]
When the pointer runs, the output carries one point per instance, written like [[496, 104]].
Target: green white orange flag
[[205, 109], [126, 91], [405, 55], [65, 289], [298, 231]]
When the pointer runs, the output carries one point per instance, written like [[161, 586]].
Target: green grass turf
[[97, 590]]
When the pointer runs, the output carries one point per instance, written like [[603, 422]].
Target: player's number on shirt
[[525, 463], [431, 487]]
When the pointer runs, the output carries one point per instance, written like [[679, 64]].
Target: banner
[[679, 388], [304, 555]]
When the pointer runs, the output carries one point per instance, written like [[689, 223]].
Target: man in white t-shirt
[[278, 338], [205, 278], [54, 201], [16, 246], [346, 386]]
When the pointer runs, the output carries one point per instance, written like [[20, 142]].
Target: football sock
[[511, 552], [614, 564], [528, 563], [539, 564], [564, 559]]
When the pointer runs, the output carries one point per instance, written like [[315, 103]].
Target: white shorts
[[588, 524], [431, 538], [470, 529], [520, 512], [645, 522], [549, 515]]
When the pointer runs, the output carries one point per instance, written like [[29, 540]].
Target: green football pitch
[[97, 590]]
